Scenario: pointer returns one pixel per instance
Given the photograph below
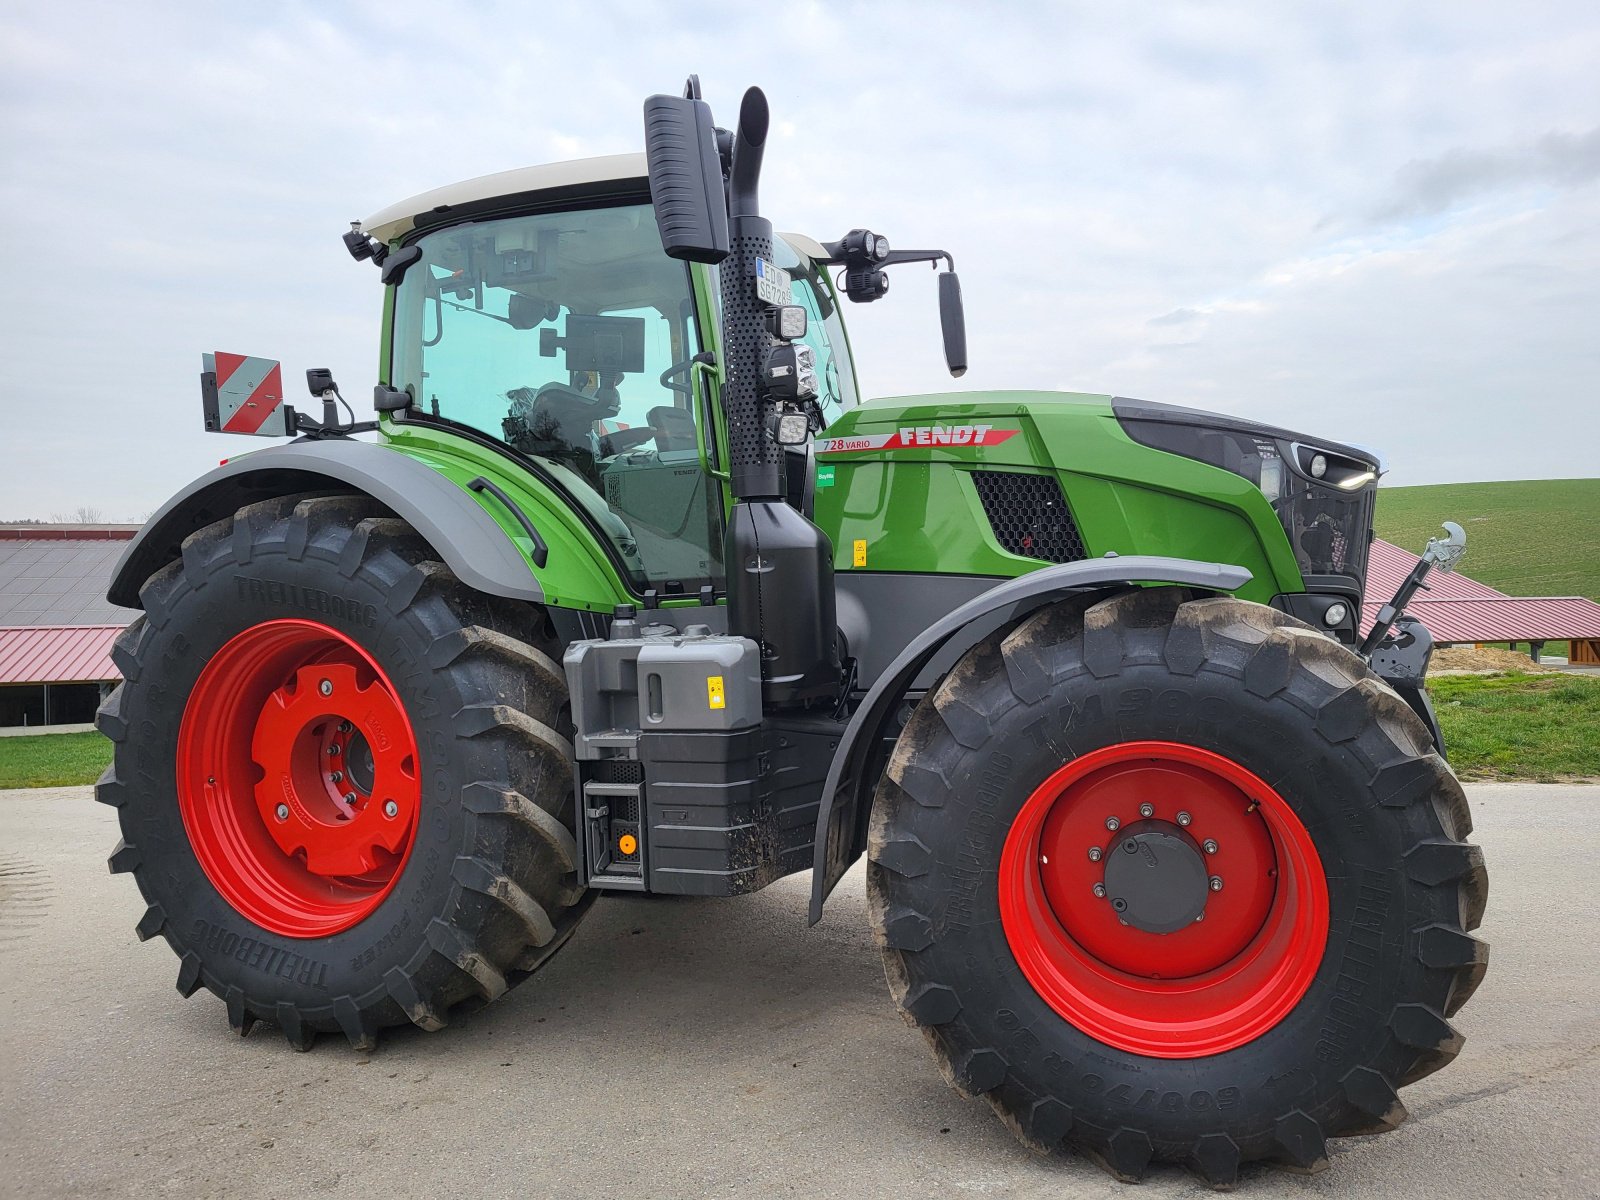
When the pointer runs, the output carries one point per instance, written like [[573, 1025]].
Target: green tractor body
[[635, 592]]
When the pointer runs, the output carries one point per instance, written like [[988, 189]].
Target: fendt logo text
[[911, 436]]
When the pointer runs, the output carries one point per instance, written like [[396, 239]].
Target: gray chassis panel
[[881, 612], [841, 819], [447, 516]]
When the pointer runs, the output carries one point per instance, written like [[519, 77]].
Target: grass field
[[1539, 727], [1512, 726], [1534, 537], [52, 760]]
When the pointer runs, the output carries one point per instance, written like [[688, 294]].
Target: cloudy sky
[[1375, 221]]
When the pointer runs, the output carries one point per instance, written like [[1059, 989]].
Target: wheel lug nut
[[336, 776], [345, 727], [391, 809], [1094, 853], [1112, 824], [1100, 890], [333, 750], [1147, 810], [1209, 845], [1184, 818], [349, 797], [326, 687], [282, 812], [1216, 883]]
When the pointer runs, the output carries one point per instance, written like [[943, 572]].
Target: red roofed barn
[[1457, 609], [56, 626]]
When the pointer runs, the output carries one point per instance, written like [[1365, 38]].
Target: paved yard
[[686, 1048]]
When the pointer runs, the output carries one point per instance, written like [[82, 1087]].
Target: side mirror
[[953, 322], [680, 145]]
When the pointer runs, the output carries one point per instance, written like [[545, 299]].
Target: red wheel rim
[[298, 779], [1209, 986]]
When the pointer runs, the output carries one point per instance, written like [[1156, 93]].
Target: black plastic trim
[[1127, 409], [541, 552], [846, 803], [599, 194]]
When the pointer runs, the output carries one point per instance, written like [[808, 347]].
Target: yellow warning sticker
[[860, 559], [714, 692]]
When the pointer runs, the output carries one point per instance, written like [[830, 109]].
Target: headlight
[[1341, 471]]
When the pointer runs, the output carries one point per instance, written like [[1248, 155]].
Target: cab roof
[[399, 219]]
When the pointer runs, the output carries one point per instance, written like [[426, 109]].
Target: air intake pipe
[[780, 565]]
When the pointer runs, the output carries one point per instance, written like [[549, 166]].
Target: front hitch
[[1399, 647], [1443, 553]]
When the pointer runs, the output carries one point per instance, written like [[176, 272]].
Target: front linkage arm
[[1399, 647], [1443, 553]]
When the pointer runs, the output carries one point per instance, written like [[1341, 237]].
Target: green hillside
[[1533, 537]]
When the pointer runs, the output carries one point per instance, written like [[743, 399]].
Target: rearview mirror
[[953, 322], [680, 145]]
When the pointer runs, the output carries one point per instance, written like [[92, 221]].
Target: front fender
[[470, 541], [846, 795]]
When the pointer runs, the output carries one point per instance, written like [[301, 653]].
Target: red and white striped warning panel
[[916, 437], [243, 394]]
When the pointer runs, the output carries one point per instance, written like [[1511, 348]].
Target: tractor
[[628, 590]]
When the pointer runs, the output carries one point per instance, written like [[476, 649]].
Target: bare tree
[[84, 514]]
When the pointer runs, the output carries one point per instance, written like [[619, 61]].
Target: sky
[[1377, 222]]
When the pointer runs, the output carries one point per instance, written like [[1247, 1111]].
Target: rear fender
[[841, 835], [451, 519]]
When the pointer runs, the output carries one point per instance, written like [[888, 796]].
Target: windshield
[[570, 336]]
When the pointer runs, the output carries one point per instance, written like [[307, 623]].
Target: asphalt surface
[[686, 1048]]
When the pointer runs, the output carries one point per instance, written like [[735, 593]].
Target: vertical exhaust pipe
[[779, 565]]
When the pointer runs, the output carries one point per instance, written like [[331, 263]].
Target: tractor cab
[[552, 323]]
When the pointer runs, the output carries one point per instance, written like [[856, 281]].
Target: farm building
[[1459, 610], [56, 626]]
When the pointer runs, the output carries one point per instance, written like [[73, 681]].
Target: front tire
[[1176, 880], [343, 778]]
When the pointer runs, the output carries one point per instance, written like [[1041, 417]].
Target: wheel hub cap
[[1156, 878], [334, 761]]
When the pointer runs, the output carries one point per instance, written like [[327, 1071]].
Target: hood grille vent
[[1029, 515]]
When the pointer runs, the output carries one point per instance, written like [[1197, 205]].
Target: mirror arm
[[837, 255], [928, 256]]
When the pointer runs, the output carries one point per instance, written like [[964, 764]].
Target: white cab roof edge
[[809, 246], [398, 219]]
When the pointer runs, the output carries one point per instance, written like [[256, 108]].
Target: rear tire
[[1258, 696], [275, 900]]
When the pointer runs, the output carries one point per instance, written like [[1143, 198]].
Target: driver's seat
[[673, 426], [556, 421]]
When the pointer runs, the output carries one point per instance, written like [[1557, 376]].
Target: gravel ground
[[698, 1047]]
